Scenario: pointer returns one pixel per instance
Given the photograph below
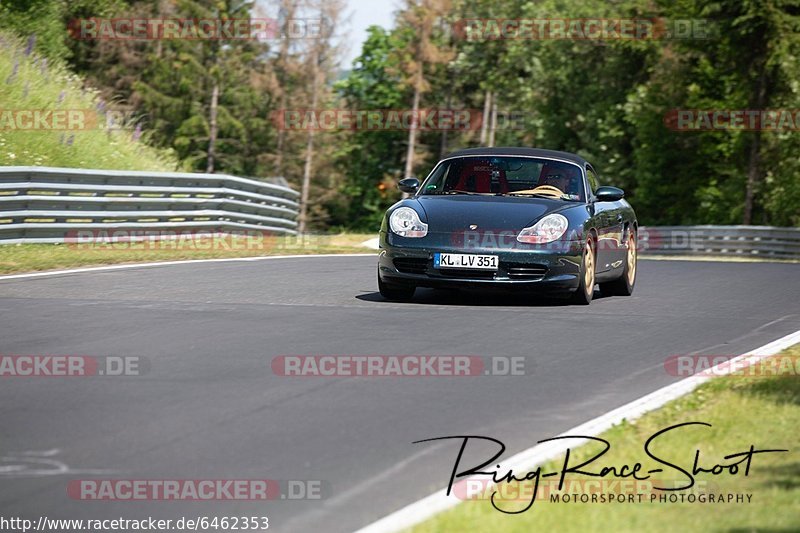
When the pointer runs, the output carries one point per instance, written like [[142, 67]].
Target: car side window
[[594, 183]]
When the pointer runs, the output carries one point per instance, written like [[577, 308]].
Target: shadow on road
[[467, 297]]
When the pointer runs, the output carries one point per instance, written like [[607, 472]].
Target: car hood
[[454, 213]]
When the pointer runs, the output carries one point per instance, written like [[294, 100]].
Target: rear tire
[[583, 296], [623, 286], [396, 293]]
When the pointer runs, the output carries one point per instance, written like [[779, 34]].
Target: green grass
[[29, 82], [40, 257], [743, 411]]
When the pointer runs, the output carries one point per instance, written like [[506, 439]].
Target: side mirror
[[409, 185], [609, 194]]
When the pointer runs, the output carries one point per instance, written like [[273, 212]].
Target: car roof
[[519, 151]]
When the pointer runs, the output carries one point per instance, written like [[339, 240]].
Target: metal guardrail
[[730, 241], [41, 204]]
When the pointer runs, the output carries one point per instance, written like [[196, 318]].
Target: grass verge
[[763, 411], [39, 257], [98, 137]]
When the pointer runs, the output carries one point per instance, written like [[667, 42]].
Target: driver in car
[[564, 180]]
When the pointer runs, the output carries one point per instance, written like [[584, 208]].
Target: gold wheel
[[588, 274], [631, 257], [583, 295]]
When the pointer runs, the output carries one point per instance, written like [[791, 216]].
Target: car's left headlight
[[548, 229], [405, 222]]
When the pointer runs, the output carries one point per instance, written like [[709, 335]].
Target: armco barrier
[[731, 241], [40, 204]]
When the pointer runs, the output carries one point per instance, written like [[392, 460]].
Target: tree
[[370, 161], [321, 58], [420, 18]]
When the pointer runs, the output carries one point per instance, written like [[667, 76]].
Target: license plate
[[470, 261]]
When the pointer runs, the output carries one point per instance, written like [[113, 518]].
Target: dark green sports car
[[512, 218]]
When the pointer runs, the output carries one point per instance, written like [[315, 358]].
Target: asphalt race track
[[210, 407]]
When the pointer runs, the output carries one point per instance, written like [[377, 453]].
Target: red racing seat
[[477, 177]]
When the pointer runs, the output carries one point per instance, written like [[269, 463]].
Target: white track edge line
[[169, 263], [437, 502]]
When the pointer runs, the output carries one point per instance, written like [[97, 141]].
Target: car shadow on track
[[465, 297]]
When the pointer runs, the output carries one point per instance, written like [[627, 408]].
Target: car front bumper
[[553, 267]]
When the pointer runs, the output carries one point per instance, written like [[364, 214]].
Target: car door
[[608, 216]]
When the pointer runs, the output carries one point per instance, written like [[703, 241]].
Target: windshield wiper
[[459, 192], [540, 195], [537, 194]]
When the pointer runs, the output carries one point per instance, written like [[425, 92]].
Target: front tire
[[623, 286], [583, 296], [395, 293]]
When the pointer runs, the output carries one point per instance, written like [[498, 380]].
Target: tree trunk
[[303, 219], [493, 124], [753, 177], [281, 134], [443, 145], [487, 106], [412, 132], [212, 133], [306, 186], [287, 7], [754, 158]]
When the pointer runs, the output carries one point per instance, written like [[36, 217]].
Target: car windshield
[[512, 176]]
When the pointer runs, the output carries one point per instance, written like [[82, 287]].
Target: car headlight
[[405, 222], [548, 229]]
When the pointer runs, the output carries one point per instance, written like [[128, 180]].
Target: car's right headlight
[[548, 229], [405, 222]]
